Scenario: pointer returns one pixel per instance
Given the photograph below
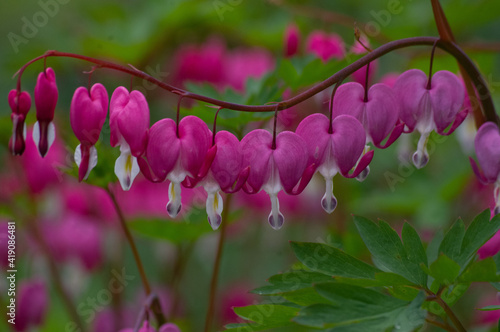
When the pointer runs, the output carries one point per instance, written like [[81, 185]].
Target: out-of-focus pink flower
[[46, 94], [203, 63], [20, 104], [234, 296], [146, 327], [4, 243], [325, 46], [75, 237], [213, 63], [42, 173], [389, 79], [169, 327], [32, 304], [245, 63], [88, 201], [292, 38], [108, 320], [490, 248], [490, 317]]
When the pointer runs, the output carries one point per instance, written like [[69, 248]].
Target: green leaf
[[263, 317], [490, 308], [390, 254], [481, 271], [305, 297], [444, 270], [359, 309], [382, 279], [332, 261], [461, 245], [291, 281]]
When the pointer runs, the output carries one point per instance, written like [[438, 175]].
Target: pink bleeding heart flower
[[175, 152], [32, 304], [224, 171], [334, 148], [129, 125], [487, 145], [275, 168], [46, 94], [20, 104], [377, 111], [325, 46], [292, 36], [427, 105], [87, 116]]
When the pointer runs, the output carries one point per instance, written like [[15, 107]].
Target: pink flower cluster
[[189, 154]]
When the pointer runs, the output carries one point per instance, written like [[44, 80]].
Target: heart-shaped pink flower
[[174, 155], [87, 116], [46, 95], [275, 168], [378, 112], [334, 148], [20, 104], [129, 124], [427, 107]]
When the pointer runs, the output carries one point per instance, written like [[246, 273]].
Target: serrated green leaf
[[444, 270], [481, 271], [263, 317], [390, 254], [461, 245], [291, 281], [360, 309], [305, 297], [332, 261], [382, 279]]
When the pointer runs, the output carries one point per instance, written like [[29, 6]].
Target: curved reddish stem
[[450, 47]]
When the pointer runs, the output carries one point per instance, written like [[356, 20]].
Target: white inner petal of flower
[[92, 158], [425, 122], [126, 167], [329, 167], [214, 207], [275, 218], [51, 134], [329, 202], [174, 204]]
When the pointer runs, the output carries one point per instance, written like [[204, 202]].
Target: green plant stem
[[445, 327], [215, 274], [155, 304], [454, 319], [448, 46]]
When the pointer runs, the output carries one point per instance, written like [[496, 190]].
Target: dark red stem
[[330, 129], [449, 47], [429, 86]]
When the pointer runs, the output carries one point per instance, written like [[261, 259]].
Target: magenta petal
[[291, 158], [458, 121], [129, 118], [207, 163], [410, 88], [314, 130], [305, 179], [396, 132], [163, 147], [447, 97], [487, 145], [382, 112], [147, 171], [241, 181], [19, 104], [195, 139], [88, 113], [46, 95], [256, 151], [228, 162], [477, 171], [348, 141], [349, 99], [363, 163]]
